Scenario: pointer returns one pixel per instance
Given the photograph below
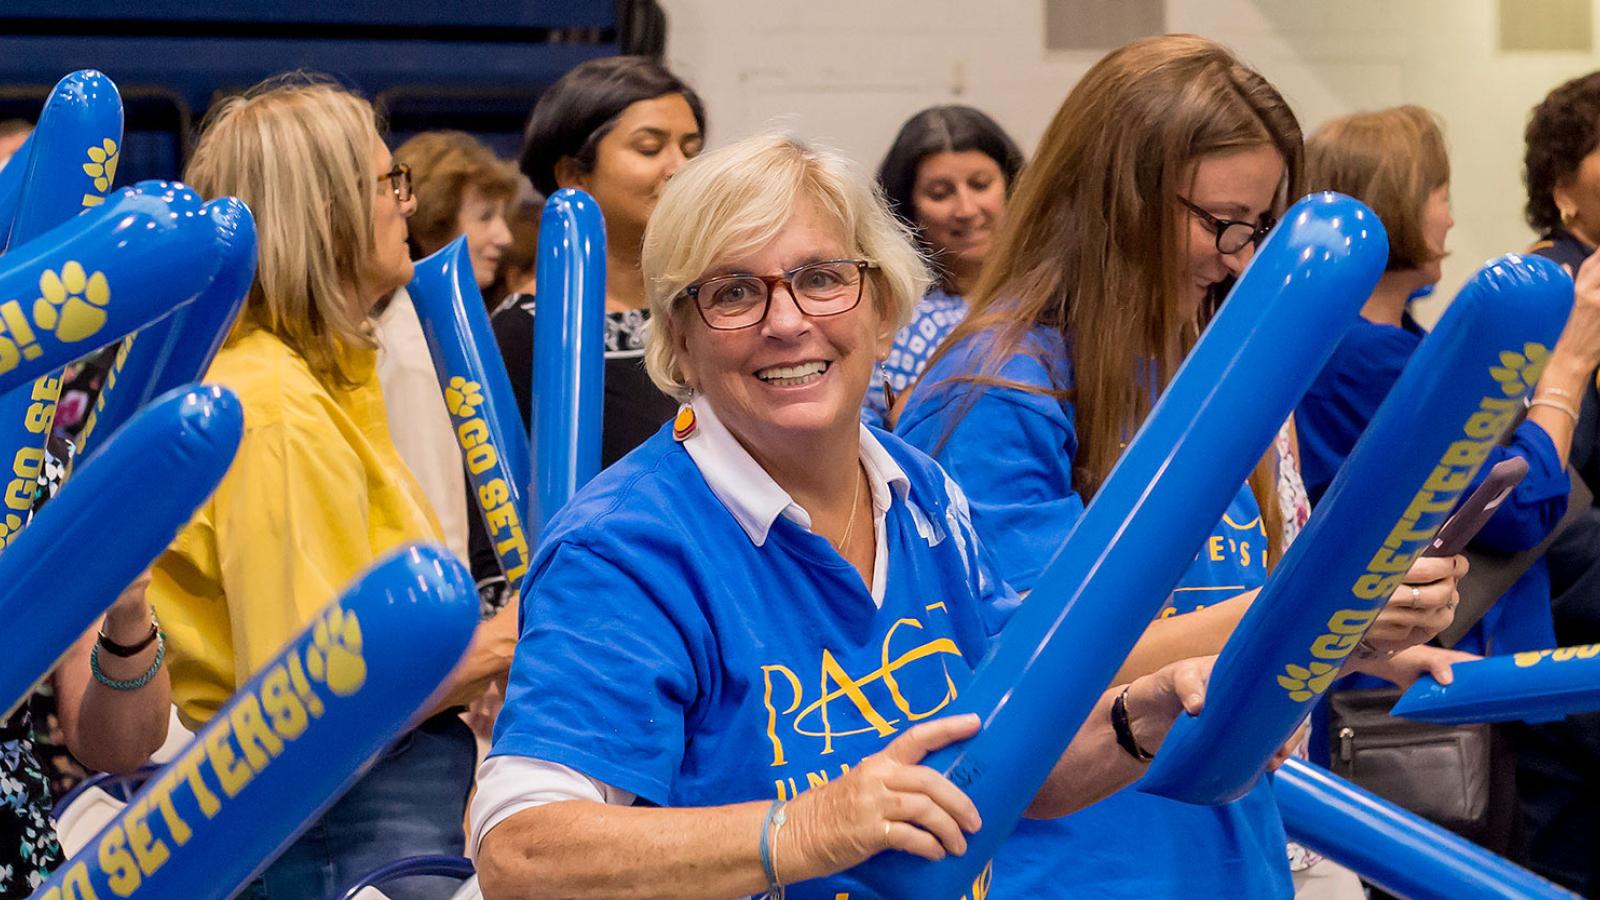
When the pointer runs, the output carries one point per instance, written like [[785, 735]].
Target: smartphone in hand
[[1475, 512]]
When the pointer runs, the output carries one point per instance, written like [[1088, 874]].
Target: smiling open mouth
[[793, 376]]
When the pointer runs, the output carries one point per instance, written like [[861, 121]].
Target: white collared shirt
[[508, 785]]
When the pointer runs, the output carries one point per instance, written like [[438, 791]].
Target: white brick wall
[[850, 71]]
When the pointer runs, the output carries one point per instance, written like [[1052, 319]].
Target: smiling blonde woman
[[687, 604]]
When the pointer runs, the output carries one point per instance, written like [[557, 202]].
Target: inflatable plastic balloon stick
[[71, 161], [477, 393], [164, 465], [1115, 570], [1397, 850], [178, 349], [289, 742], [97, 277], [1540, 686], [1461, 391], [568, 350], [11, 186], [72, 158]]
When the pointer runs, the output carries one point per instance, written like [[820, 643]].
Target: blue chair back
[[411, 867]]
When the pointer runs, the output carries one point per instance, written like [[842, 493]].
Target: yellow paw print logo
[[1524, 660], [1519, 371], [102, 164], [1303, 684], [334, 657], [462, 397], [8, 528], [71, 304]]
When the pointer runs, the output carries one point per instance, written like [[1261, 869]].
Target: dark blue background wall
[[478, 65]]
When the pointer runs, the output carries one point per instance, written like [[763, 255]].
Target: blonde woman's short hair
[[298, 151], [732, 201]]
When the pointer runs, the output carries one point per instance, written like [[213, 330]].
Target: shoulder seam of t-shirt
[[619, 493]]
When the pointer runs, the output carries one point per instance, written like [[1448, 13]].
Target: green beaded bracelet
[[135, 683]]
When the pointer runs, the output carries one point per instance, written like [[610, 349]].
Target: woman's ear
[[680, 349], [886, 331], [570, 174]]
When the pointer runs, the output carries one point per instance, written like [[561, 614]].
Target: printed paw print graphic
[[102, 164], [334, 657], [1303, 684], [1519, 371], [71, 304], [8, 528], [1524, 660], [462, 397]]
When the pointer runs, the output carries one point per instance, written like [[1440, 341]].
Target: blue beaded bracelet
[[131, 684], [775, 814]]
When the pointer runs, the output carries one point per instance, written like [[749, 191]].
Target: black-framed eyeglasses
[[399, 179], [1233, 234], [732, 302]]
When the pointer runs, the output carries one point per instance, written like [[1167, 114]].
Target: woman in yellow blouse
[[317, 492]]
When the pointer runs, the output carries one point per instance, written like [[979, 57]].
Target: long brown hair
[[1091, 241]]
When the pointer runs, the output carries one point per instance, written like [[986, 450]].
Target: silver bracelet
[[1555, 404]]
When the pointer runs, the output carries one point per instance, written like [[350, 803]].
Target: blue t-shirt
[[937, 314], [664, 653], [1012, 452], [1336, 410]]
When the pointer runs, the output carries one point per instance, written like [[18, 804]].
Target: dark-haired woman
[[1561, 168], [947, 176], [617, 128], [1558, 762]]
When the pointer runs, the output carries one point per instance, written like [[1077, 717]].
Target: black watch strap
[[126, 650], [1124, 731]]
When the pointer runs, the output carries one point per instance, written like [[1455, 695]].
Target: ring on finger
[[887, 827], [1416, 596]]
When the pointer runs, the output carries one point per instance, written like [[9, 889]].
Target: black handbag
[[1442, 773]]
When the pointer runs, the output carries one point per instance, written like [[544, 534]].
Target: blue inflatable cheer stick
[[178, 349], [164, 465], [289, 742], [11, 176], [568, 350], [1540, 686], [72, 155], [477, 394], [1397, 850], [71, 161], [1458, 395], [99, 276], [1059, 652]]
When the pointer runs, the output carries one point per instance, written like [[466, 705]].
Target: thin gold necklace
[[850, 523]]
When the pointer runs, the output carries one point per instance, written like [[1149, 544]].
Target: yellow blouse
[[316, 494]]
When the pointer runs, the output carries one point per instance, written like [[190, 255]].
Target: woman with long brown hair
[[1162, 171]]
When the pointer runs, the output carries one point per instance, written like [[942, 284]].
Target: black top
[[1568, 250], [634, 408]]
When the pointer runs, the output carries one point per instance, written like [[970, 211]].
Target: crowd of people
[[847, 422]]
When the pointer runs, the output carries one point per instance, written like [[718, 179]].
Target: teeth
[[792, 375]]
